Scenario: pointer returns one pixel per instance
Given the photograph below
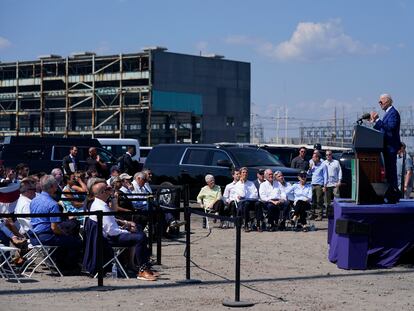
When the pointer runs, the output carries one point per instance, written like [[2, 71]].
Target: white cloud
[[4, 43], [310, 42]]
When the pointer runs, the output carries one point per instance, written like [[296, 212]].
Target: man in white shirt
[[229, 196], [271, 195], [284, 186], [122, 237], [247, 199], [27, 193], [334, 178]]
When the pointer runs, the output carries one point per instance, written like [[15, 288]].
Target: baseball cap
[[302, 174], [125, 176]]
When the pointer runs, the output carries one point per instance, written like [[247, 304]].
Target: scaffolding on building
[[79, 95]]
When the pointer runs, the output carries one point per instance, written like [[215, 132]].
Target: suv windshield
[[254, 157]]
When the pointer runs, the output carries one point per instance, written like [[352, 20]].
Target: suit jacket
[[390, 126], [65, 164]]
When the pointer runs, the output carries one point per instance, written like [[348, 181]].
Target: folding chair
[[38, 252], [6, 268], [118, 250]]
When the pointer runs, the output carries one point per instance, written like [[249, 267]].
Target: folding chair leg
[[4, 271]]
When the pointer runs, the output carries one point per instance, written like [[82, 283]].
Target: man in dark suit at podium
[[390, 126]]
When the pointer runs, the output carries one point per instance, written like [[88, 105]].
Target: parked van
[[43, 154], [144, 151], [119, 146]]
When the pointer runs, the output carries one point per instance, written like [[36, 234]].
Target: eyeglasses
[[329, 154]]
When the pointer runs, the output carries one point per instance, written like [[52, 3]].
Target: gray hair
[[47, 182], [140, 175], [209, 177], [56, 171], [268, 172], [93, 181], [388, 97]]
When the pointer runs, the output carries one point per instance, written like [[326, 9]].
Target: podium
[[367, 178]]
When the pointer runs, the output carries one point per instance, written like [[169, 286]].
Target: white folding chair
[[40, 253], [6, 268], [118, 250]]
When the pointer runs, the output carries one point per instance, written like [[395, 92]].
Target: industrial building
[[155, 96]]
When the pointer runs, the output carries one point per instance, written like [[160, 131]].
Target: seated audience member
[[75, 183], [141, 186], [285, 207], [247, 200], [302, 193], [115, 172], [229, 195], [49, 229], [209, 196], [271, 196], [134, 237], [9, 196], [27, 193], [22, 171]]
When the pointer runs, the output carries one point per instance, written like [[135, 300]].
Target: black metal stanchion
[[237, 303], [99, 261], [150, 226], [187, 218], [159, 233]]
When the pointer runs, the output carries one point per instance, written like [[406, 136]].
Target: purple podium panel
[[352, 252], [391, 234]]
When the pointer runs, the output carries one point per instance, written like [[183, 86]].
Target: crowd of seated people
[[265, 204], [78, 191]]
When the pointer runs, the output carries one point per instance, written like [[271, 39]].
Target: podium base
[[237, 304]]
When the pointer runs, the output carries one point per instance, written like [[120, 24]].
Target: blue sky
[[309, 56]]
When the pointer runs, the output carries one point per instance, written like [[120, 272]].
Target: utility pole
[[277, 125], [286, 124]]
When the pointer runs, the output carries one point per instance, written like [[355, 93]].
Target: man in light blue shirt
[[319, 173], [334, 178]]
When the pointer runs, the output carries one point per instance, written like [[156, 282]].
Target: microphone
[[365, 116]]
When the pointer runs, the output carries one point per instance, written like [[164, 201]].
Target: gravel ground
[[279, 271]]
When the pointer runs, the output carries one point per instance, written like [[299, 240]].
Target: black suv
[[181, 164]]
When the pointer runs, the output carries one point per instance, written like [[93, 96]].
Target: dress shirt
[[109, 224], [208, 196], [246, 190], [283, 189], [136, 187], [270, 191], [23, 205], [319, 174], [300, 193], [43, 203], [334, 172], [229, 194], [138, 190]]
